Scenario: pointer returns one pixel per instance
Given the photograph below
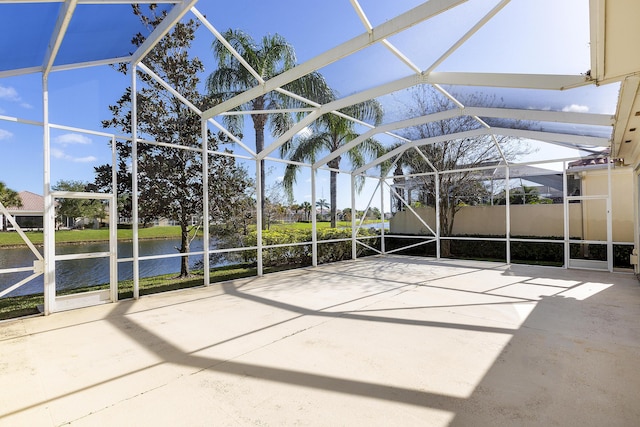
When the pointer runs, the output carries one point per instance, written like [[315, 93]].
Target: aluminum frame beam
[[57, 35], [504, 113], [549, 137], [401, 22], [172, 18]]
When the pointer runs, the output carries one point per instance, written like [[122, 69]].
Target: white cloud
[[60, 154], [5, 134], [9, 93], [71, 138], [280, 178], [87, 159], [575, 108]]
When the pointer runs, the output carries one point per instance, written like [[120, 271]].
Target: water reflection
[[73, 274]]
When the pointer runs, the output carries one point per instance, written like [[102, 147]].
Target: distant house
[[29, 215]]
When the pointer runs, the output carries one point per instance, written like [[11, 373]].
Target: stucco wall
[[541, 220]]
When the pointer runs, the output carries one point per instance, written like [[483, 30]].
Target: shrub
[[291, 254]]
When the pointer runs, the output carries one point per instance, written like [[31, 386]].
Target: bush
[[302, 254], [547, 253]]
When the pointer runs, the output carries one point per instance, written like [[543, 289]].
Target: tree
[[329, 133], [374, 213], [322, 203], [170, 179], [272, 57], [8, 197], [526, 195], [77, 209], [274, 203], [306, 208], [458, 188], [346, 214]]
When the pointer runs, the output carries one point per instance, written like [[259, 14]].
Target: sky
[[527, 36]]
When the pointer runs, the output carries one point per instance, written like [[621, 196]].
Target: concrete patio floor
[[378, 341]]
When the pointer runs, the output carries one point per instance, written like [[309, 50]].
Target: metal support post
[[134, 183], [609, 220], [382, 248], [437, 182], [259, 213], [49, 210], [205, 202], [314, 222], [354, 231], [565, 202], [508, 213]]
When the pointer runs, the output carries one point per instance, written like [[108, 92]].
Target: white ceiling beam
[[386, 43], [549, 137], [372, 93], [531, 81], [416, 121], [191, 106], [393, 26], [57, 35], [597, 20], [542, 115], [505, 113], [509, 80], [552, 137], [87, 64], [629, 91], [421, 142], [172, 18], [64, 67], [493, 12], [20, 71]]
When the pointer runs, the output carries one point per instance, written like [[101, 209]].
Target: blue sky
[[527, 36]]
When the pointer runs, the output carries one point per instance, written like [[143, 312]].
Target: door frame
[[85, 299]]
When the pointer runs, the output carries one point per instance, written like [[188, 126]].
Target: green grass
[[25, 305], [320, 225], [77, 236]]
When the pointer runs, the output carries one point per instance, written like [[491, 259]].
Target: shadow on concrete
[[570, 363]]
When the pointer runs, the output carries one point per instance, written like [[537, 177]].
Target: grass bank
[[12, 239], [77, 236], [25, 305]]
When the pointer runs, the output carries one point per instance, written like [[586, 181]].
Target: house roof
[[31, 202]]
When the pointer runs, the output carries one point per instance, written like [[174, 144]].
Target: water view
[[79, 273]]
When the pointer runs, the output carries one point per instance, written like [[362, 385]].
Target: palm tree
[[272, 57], [306, 208], [329, 133], [322, 203], [9, 197]]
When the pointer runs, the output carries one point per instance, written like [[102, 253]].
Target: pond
[[79, 273]]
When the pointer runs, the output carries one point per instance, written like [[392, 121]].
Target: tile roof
[[30, 202]]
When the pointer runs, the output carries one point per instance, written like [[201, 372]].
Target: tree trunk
[[446, 228], [333, 190], [333, 197], [259, 122], [184, 248]]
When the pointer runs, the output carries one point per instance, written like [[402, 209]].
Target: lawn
[[88, 235], [166, 232], [25, 305]]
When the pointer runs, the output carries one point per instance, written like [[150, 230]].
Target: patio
[[376, 341]]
